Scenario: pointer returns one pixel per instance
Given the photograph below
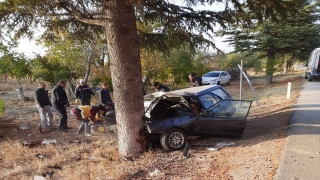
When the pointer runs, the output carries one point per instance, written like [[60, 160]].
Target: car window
[[219, 92], [208, 100], [230, 108], [212, 74]]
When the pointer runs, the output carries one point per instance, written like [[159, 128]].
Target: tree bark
[[270, 67], [88, 63], [123, 47]]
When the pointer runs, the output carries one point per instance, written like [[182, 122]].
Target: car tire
[[229, 81], [218, 83], [310, 78], [173, 139], [305, 76]]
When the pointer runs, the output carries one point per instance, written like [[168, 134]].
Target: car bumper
[[211, 83]]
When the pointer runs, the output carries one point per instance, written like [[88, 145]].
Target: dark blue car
[[197, 111]]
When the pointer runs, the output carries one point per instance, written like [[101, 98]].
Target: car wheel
[[305, 76], [173, 139], [218, 83], [229, 81], [310, 77]]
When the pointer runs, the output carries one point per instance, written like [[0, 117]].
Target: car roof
[[216, 71], [199, 90]]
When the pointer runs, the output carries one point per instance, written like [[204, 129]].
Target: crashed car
[[197, 111]]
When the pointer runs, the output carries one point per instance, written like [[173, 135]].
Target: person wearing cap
[[88, 115], [160, 87], [83, 92], [104, 94]]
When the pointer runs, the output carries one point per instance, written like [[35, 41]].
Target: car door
[[227, 117], [224, 77]]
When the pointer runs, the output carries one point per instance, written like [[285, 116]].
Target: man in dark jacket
[[160, 87], [83, 92], [104, 94], [60, 102], [43, 105], [195, 81]]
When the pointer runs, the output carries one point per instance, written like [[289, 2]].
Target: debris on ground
[[186, 150], [31, 143], [7, 124], [40, 156], [48, 141], [39, 178], [156, 173], [212, 149], [223, 144]]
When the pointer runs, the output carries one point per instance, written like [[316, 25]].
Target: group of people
[[87, 114], [59, 101]]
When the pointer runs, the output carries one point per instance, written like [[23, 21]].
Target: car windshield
[[212, 74], [209, 100], [230, 108]]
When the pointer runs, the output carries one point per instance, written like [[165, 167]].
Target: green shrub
[[2, 106]]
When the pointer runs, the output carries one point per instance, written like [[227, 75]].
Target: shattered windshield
[[209, 100]]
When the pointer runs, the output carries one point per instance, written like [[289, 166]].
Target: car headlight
[[213, 80]]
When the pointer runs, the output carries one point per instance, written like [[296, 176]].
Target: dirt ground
[[254, 156]]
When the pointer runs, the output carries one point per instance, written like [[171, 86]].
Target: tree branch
[[81, 18]]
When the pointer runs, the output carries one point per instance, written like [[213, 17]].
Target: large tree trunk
[[286, 67], [123, 47]]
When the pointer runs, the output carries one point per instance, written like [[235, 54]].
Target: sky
[[29, 47]]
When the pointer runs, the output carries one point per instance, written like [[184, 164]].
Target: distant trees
[[14, 64], [275, 38]]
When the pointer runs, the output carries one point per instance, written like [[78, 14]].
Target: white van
[[313, 67]]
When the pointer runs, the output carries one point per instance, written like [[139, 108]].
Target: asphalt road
[[300, 159]]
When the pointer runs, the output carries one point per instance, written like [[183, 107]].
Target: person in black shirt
[[194, 80], [43, 105], [160, 87], [104, 94], [60, 102], [83, 92]]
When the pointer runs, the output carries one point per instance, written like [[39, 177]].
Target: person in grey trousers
[[44, 105]]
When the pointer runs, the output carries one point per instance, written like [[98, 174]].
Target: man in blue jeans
[[60, 102]]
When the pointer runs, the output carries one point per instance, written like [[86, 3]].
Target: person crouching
[[87, 116]]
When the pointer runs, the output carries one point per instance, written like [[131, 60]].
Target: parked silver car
[[216, 77]]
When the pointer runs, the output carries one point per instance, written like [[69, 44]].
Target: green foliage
[[180, 65], [13, 63], [50, 70], [2, 106], [296, 35], [250, 61]]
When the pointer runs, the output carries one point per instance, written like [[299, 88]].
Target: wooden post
[[289, 90]]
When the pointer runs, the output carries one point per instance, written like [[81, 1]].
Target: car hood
[[167, 101], [209, 78]]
